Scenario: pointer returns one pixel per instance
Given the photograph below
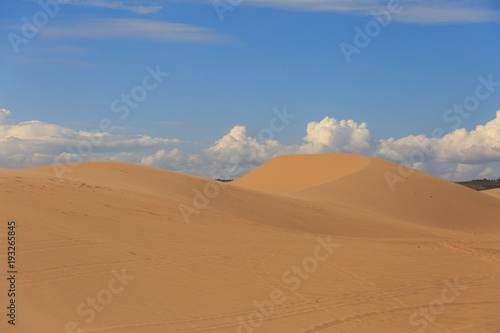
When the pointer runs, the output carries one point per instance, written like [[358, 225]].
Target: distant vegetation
[[481, 184], [224, 180]]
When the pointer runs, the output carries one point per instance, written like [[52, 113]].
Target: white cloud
[[164, 157], [470, 172], [362, 6], [123, 5], [459, 155], [414, 11], [330, 135], [234, 154], [401, 149], [466, 148], [142, 29], [446, 13], [6, 117], [477, 146]]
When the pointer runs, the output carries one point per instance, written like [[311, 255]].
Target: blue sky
[[226, 76]]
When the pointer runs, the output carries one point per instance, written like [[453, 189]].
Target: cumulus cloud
[[470, 172], [6, 117], [404, 148], [477, 146], [458, 155], [233, 155], [468, 150], [237, 147], [163, 157], [330, 135]]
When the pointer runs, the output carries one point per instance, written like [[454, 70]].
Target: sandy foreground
[[304, 243]]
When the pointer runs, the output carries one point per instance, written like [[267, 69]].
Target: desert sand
[[494, 192], [304, 243]]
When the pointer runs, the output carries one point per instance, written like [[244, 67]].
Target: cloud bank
[[36, 143], [458, 155]]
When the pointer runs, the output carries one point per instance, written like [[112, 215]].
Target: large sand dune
[[378, 188], [305, 243]]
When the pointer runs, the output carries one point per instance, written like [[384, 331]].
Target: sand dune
[[286, 174], [494, 192], [305, 243], [419, 198]]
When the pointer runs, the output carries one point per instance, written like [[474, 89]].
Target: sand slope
[[249, 260], [494, 192]]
